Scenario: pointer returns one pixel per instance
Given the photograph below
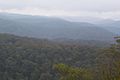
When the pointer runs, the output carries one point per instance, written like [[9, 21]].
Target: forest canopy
[[23, 58]]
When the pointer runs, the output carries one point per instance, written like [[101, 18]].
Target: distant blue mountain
[[111, 25], [51, 28]]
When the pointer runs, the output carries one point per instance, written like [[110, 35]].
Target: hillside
[[51, 28], [24, 58], [111, 25]]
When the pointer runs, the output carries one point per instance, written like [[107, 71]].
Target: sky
[[107, 9]]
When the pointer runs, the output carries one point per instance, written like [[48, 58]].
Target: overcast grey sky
[[90, 8]]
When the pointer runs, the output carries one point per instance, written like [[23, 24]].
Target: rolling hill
[[111, 25], [23, 58], [51, 28]]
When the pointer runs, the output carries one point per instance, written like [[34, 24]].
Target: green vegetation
[[24, 58], [109, 62], [107, 67], [72, 73]]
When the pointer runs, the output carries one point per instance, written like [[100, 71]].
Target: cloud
[[74, 5], [63, 13]]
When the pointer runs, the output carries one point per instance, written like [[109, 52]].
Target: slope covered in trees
[[33, 59], [23, 58], [107, 67]]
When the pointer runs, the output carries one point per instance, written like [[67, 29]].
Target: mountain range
[[56, 28]]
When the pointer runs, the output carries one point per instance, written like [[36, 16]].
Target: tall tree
[[72, 73], [109, 62]]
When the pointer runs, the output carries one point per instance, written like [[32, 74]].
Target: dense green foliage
[[24, 58], [109, 62], [33, 59], [73, 73], [107, 67]]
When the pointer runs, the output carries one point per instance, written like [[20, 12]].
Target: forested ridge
[[23, 58], [53, 28]]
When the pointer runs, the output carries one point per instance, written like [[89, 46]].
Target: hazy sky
[[90, 8]]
